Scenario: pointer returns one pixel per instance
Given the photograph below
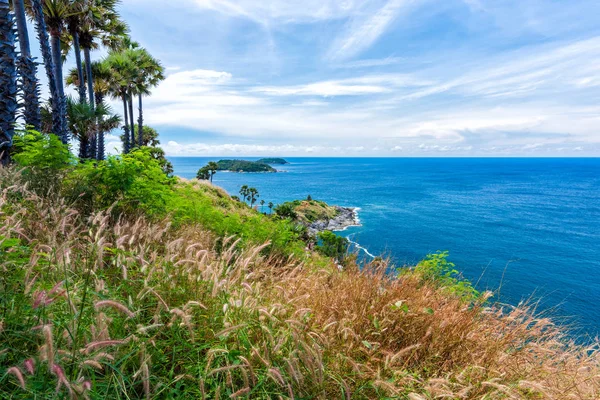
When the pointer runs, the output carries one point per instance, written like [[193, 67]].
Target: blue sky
[[374, 77]]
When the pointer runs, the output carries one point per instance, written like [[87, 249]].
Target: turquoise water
[[528, 228]]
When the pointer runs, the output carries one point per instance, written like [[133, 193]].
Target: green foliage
[[286, 210], [203, 174], [437, 269], [134, 181], [332, 245], [44, 152]]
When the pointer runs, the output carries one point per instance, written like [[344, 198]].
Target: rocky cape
[[345, 218]]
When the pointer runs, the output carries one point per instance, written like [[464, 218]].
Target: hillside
[[119, 282], [244, 166]]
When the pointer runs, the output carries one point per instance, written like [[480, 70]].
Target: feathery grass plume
[[16, 372], [115, 306]]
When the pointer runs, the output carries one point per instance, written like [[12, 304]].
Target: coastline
[[346, 218]]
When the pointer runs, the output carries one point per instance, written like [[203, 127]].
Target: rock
[[345, 218]]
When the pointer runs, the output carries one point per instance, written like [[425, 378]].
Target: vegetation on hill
[[244, 166], [306, 211], [272, 161]]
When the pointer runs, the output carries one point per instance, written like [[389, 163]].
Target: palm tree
[[59, 120], [148, 74], [27, 70], [84, 123], [252, 196], [102, 75], [74, 21], [121, 68], [8, 81], [244, 192], [262, 204], [213, 167], [55, 14], [270, 207]]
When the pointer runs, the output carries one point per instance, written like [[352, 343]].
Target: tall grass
[[99, 307]]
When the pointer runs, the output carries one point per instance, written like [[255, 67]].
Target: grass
[[97, 304]]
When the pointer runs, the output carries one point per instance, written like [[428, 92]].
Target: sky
[[373, 77]]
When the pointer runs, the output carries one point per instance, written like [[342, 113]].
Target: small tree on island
[[270, 207]]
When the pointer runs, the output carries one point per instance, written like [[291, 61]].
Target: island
[[273, 161], [244, 166], [319, 216]]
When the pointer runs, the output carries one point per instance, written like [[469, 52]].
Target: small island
[[273, 161], [244, 166], [319, 216]]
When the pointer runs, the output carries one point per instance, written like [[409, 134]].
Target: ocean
[[526, 228]]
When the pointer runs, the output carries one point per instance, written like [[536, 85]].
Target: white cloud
[[363, 32]]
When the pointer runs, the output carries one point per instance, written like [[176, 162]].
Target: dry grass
[[97, 309]]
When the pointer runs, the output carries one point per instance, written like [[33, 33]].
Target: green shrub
[[437, 269], [42, 151], [332, 245], [130, 182]]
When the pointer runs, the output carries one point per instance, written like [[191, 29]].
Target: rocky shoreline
[[345, 218]]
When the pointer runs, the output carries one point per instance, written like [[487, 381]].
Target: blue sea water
[[528, 229]]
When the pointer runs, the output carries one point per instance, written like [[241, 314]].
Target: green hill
[[273, 161], [244, 166]]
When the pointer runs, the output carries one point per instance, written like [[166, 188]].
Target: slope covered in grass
[[170, 289]]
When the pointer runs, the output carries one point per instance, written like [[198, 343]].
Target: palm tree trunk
[[77, 51], [100, 155], [140, 124], [60, 90], [8, 81], [88, 75], [131, 120], [42, 34], [126, 126], [27, 70]]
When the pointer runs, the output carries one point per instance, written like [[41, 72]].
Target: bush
[[436, 269], [44, 152], [332, 245], [134, 181], [44, 157]]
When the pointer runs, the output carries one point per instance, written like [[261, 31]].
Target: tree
[[148, 74], [332, 245], [102, 74], [244, 192], [252, 196], [85, 121], [270, 207], [203, 174], [8, 81], [121, 68], [55, 14], [262, 204], [27, 70], [213, 167], [58, 107], [74, 21]]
